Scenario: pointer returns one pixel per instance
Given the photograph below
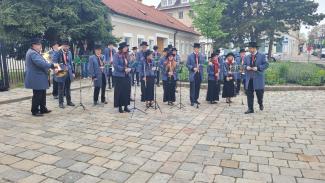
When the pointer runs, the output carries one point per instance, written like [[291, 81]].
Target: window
[[140, 41], [185, 1], [165, 3], [151, 44], [180, 14], [127, 40]]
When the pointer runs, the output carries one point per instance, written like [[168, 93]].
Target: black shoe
[[120, 110], [110, 88], [71, 104], [261, 107], [55, 97], [37, 114], [192, 103], [249, 112], [198, 102], [61, 106], [158, 85], [95, 103], [105, 102], [126, 109], [46, 111], [131, 99]]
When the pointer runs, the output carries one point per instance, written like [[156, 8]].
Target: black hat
[[197, 45], [213, 55], [111, 43], [97, 47], [242, 50], [53, 43], [230, 54], [155, 48], [170, 53], [147, 53], [174, 49], [65, 42], [122, 45], [253, 44], [134, 48], [144, 43], [170, 46], [36, 40], [165, 50]]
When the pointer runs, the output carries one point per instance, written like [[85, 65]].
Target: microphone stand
[[156, 103]]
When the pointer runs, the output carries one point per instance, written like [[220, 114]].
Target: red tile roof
[[136, 10]]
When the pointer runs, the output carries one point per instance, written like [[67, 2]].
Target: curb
[[203, 86], [30, 97]]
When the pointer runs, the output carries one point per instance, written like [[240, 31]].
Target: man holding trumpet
[[36, 77], [194, 64]]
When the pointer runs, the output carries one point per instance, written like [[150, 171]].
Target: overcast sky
[[321, 9]]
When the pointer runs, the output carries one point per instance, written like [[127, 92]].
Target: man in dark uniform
[[109, 52], [140, 58], [156, 57], [194, 64], [36, 77], [97, 72], [255, 64], [64, 58]]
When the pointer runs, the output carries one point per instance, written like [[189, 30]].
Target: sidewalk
[[19, 94]]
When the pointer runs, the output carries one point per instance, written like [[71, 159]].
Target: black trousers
[[250, 95], [55, 91], [110, 78], [102, 89], [39, 101], [195, 88], [64, 88]]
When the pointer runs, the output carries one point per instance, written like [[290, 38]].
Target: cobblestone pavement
[[215, 143]]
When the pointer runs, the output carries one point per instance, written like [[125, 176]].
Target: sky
[[321, 9]]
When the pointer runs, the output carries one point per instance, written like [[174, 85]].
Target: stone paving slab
[[215, 143]]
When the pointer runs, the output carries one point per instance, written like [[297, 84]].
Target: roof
[[136, 10], [177, 4]]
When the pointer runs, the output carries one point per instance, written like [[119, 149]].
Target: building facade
[[135, 22]]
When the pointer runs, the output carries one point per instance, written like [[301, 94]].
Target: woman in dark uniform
[[229, 82], [213, 70], [147, 75], [122, 90], [169, 77]]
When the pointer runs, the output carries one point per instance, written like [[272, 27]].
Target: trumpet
[[47, 57]]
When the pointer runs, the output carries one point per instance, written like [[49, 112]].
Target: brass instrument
[[47, 57]]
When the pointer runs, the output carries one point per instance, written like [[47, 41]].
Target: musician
[[177, 57], [170, 47], [240, 75], [229, 77], [122, 74], [147, 75], [194, 64], [109, 52], [64, 58], [213, 71], [156, 58], [96, 69], [54, 48], [134, 72], [169, 77], [255, 64], [36, 77], [221, 66]]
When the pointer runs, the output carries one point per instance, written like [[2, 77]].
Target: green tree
[[75, 19], [207, 16]]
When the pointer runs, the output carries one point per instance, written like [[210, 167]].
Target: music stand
[[134, 96], [79, 61], [180, 105], [157, 106]]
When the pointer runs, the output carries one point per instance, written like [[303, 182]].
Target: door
[[160, 44]]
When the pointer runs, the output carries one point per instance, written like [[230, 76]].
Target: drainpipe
[[175, 38]]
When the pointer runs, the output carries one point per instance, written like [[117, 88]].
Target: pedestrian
[[169, 77]]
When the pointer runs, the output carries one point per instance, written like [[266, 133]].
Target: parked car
[[275, 57]]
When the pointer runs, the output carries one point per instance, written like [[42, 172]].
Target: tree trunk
[[271, 38]]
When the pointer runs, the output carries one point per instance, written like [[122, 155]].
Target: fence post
[[4, 86]]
